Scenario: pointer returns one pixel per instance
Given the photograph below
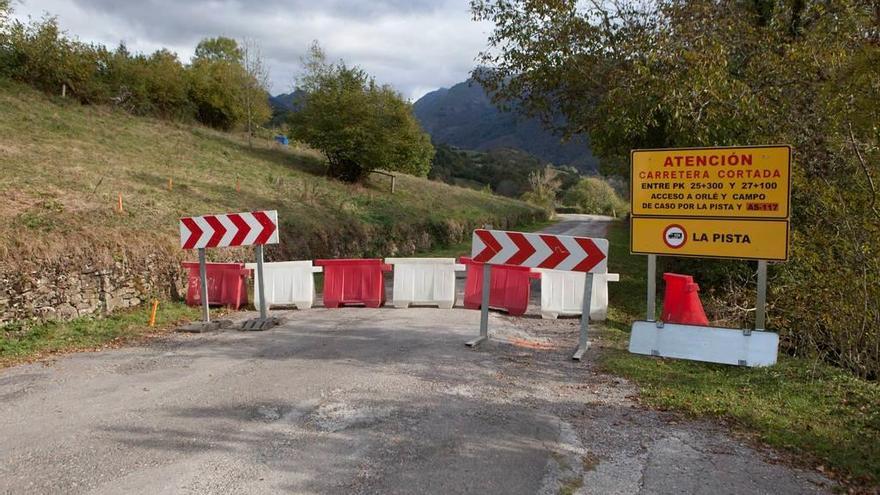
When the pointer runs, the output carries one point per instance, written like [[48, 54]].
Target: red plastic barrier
[[509, 287], [357, 281], [227, 285], [681, 301]]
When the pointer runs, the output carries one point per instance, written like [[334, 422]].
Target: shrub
[[358, 125], [595, 196], [543, 185]]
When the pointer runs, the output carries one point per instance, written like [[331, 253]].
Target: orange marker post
[[153, 313], [119, 206], [170, 183]]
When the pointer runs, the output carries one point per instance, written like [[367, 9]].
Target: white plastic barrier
[[562, 294], [714, 345], [424, 281], [288, 283]]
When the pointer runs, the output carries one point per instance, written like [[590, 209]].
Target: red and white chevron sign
[[234, 229], [555, 252]]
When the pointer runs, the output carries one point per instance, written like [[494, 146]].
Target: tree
[[220, 49], [166, 84], [358, 124], [216, 83], [5, 12], [543, 186], [664, 73], [255, 84]]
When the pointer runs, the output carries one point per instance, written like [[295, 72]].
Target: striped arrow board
[[233, 229], [554, 252]]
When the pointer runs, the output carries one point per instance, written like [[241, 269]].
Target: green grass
[[20, 343], [822, 414], [626, 301], [65, 164]]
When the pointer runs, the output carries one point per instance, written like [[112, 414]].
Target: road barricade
[[354, 281], [226, 284], [509, 287], [681, 301], [562, 294], [288, 283], [424, 281]]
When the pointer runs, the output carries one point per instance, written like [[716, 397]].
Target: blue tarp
[[282, 140]]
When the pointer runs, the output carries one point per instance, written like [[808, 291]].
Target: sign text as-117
[[733, 182]]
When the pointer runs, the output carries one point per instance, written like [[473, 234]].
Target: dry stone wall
[[62, 291]]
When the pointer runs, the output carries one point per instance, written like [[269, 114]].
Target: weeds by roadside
[[21, 342]]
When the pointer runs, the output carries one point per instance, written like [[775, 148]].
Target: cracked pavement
[[360, 400]]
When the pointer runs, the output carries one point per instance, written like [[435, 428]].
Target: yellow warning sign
[[711, 238], [730, 182]]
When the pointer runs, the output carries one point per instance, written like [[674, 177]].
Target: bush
[[544, 184], [595, 196], [39, 54], [358, 125]]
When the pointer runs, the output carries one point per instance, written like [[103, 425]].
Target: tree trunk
[[346, 170]]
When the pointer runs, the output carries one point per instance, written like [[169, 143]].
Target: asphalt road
[[362, 400]]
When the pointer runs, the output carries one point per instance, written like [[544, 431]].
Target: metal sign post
[[203, 287], [484, 308], [583, 343], [652, 287], [761, 306], [261, 283]]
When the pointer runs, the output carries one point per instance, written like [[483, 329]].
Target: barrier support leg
[[203, 280], [583, 342], [261, 286], [263, 322], [484, 309]]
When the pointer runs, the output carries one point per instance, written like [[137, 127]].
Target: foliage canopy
[[358, 124]]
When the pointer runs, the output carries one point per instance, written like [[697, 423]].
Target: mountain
[[288, 102], [463, 116], [283, 104]]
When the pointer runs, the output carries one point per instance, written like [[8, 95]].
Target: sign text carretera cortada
[[748, 182], [728, 202]]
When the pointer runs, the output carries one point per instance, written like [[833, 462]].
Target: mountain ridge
[[465, 117]]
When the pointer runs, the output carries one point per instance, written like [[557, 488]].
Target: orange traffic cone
[[681, 301]]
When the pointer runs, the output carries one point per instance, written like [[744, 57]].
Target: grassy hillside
[[64, 166]]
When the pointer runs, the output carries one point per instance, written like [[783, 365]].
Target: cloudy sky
[[415, 45]]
